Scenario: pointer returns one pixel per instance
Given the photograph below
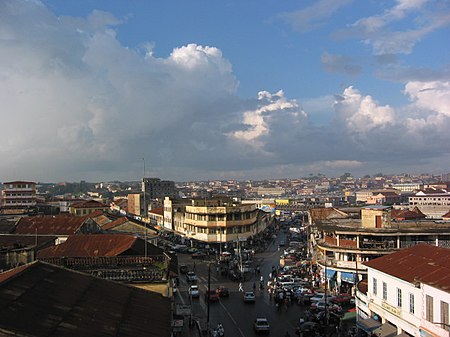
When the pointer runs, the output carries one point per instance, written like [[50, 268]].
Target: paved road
[[236, 316]]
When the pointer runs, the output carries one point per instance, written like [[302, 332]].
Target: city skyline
[[234, 90]]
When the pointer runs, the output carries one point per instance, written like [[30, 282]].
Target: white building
[[407, 293], [432, 203]]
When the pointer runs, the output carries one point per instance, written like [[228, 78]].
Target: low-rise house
[[86, 207], [61, 226], [117, 257], [407, 293], [40, 299]]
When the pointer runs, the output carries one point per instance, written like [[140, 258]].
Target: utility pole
[[145, 215], [207, 298]]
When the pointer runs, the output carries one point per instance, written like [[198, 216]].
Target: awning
[[368, 324], [331, 273], [349, 316], [348, 277], [386, 330]]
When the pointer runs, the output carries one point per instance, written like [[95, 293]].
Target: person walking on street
[[241, 289]]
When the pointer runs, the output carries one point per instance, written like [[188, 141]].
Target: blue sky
[[223, 89]]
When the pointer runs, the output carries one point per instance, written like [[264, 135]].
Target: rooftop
[[425, 263], [50, 307]]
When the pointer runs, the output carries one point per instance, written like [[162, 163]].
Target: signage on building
[[393, 310]]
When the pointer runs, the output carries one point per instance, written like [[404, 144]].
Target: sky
[[102, 90]]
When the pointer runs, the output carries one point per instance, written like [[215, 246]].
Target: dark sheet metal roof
[[425, 263], [39, 299], [10, 241]]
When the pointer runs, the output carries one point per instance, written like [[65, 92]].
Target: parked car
[[213, 295], [261, 325], [318, 297], [307, 327], [249, 297], [191, 277], [282, 244], [198, 255], [342, 299], [194, 292], [222, 291], [183, 269]]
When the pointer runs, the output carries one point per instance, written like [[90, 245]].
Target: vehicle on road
[[307, 327], [213, 295], [249, 297], [318, 297], [282, 244], [222, 291], [191, 277], [342, 299], [198, 255], [194, 292], [261, 325], [183, 269]]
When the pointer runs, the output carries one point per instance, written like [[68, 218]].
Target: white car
[[191, 277], [261, 325], [194, 292], [249, 297], [318, 297]]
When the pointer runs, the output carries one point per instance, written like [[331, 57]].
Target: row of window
[[220, 217], [219, 230], [444, 319]]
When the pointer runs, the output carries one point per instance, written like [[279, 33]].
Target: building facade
[[155, 188], [18, 194], [407, 293], [343, 243], [432, 203]]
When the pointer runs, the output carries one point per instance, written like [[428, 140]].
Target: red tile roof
[[40, 299], [406, 214], [425, 263], [62, 224]]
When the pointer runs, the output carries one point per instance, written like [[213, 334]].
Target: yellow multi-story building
[[217, 220]]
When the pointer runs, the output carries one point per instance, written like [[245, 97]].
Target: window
[[429, 308], [399, 297], [444, 315], [384, 291], [374, 285], [411, 303]]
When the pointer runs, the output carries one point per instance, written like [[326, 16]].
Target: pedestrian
[[241, 289], [254, 286], [194, 267]]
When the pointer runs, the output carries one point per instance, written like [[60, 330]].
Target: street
[[236, 316]]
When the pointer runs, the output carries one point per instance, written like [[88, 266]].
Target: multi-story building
[[432, 203], [86, 207], [406, 293], [136, 204], [19, 194], [217, 220], [342, 242], [156, 188]]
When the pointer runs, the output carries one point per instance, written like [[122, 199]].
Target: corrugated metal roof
[[39, 299], [61, 224], [88, 204], [20, 241], [115, 223], [425, 263], [92, 245]]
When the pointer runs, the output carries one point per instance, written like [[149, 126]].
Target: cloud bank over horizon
[[76, 104]]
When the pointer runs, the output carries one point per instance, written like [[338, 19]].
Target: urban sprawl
[[313, 256]]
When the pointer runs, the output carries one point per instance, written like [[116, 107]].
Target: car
[[282, 244], [307, 327], [191, 277], [183, 269], [198, 255], [261, 325], [194, 292], [342, 299], [320, 305], [249, 297], [318, 297], [222, 291], [213, 295]]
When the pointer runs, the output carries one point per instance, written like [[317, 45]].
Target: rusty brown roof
[[53, 301], [115, 223], [318, 214], [62, 224], [91, 245], [425, 263]]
